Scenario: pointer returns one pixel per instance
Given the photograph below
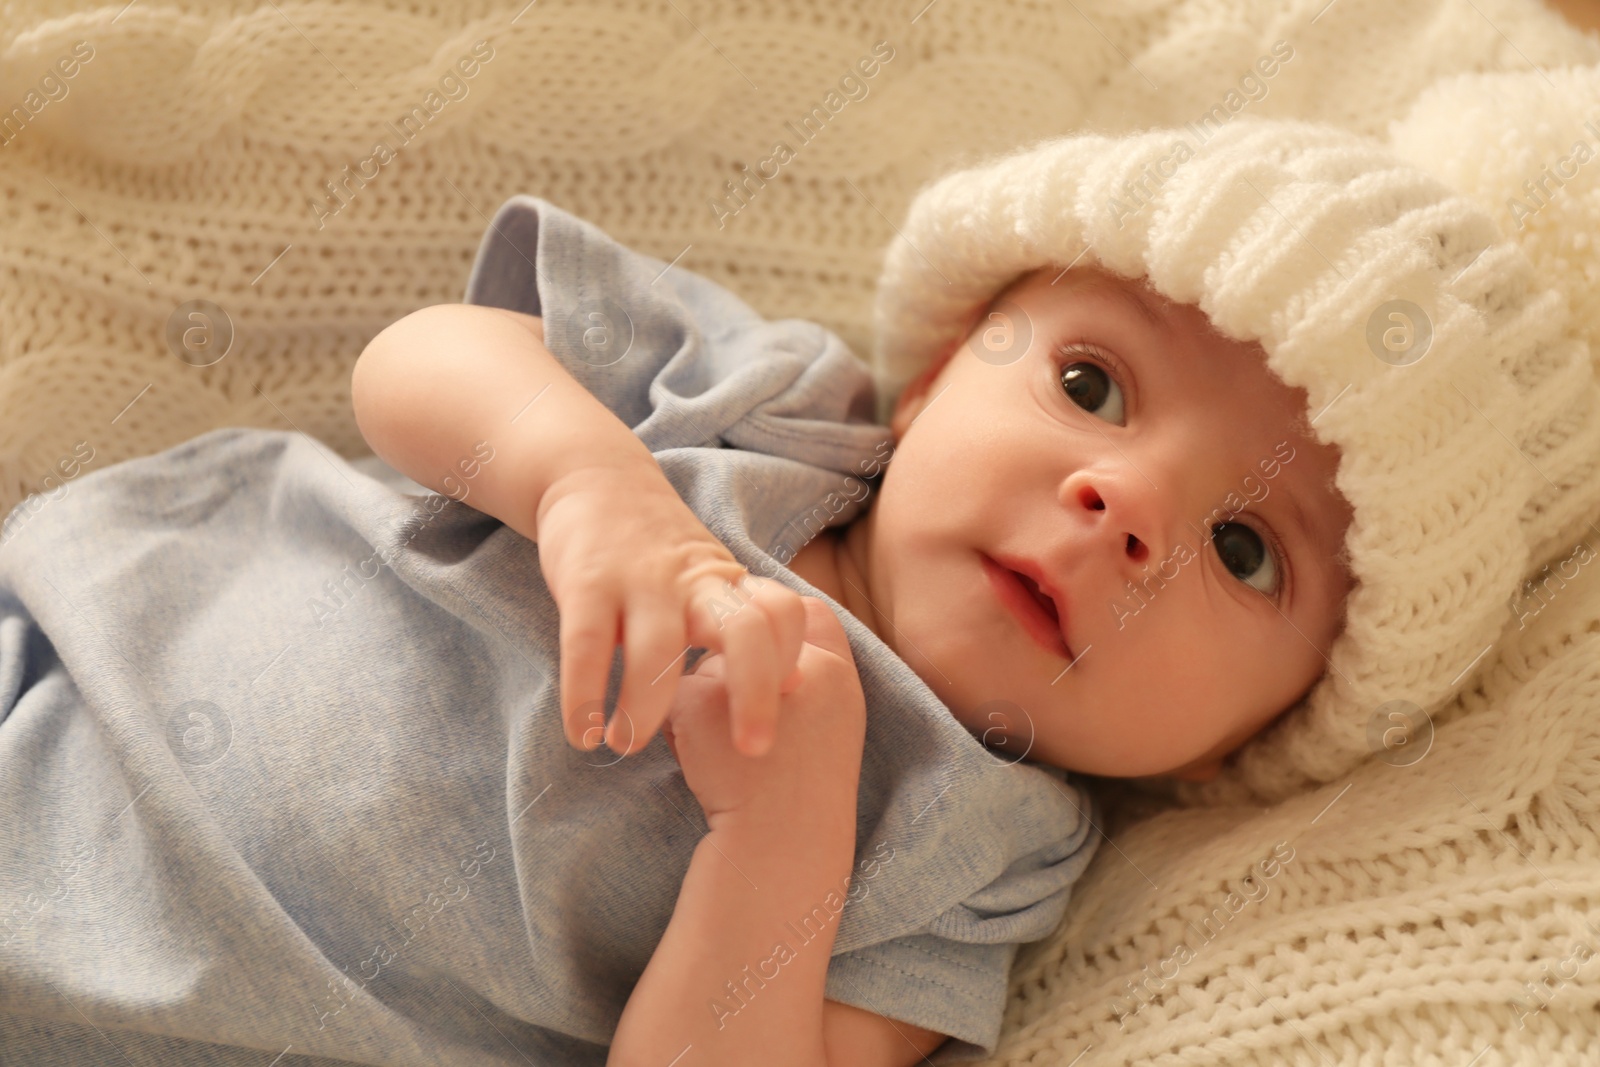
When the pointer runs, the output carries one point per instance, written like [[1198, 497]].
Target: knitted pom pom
[[1538, 176]]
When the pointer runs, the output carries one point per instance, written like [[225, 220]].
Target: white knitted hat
[[1468, 449]]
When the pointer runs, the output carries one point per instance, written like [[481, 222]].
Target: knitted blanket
[[209, 209]]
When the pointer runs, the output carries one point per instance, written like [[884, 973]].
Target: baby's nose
[[1129, 509]]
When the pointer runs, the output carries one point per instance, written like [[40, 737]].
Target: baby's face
[[1105, 455]]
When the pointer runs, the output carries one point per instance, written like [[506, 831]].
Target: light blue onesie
[[282, 771]]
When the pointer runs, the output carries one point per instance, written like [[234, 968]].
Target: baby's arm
[[724, 931], [432, 385], [626, 560], [740, 974]]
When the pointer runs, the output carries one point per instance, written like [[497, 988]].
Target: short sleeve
[[952, 974], [679, 359]]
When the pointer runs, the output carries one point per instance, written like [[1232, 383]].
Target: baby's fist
[[815, 755]]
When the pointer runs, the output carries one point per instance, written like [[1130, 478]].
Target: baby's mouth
[[1038, 594], [1046, 625]]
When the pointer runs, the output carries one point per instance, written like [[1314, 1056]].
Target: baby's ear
[[914, 396]]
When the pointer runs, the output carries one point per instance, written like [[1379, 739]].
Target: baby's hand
[[628, 562], [808, 781]]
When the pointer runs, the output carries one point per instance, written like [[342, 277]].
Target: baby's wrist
[[817, 826], [624, 473]]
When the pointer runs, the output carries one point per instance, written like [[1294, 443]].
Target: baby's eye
[[1244, 554], [1092, 389]]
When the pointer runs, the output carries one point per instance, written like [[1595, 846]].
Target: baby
[[1030, 491], [355, 767]]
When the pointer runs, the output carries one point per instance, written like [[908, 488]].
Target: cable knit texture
[[1421, 914]]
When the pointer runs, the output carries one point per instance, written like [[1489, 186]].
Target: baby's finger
[[589, 635], [652, 653], [752, 681], [786, 613], [792, 682]]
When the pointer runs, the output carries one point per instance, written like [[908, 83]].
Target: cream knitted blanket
[[200, 229]]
